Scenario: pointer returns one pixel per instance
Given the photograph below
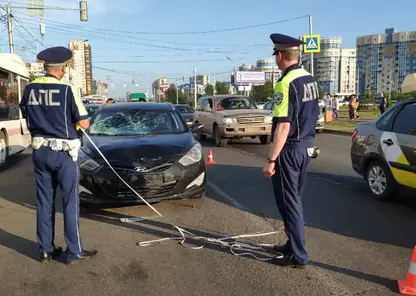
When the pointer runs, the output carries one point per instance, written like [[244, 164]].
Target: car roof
[[138, 106], [408, 100]]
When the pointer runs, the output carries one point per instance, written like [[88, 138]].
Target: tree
[[171, 96], [209, 90], [32, 77], [262, 92], [221, 88]]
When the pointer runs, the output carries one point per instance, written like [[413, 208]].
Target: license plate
[[153, 179]]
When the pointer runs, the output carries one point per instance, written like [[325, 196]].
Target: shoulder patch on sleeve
[[278, 98]]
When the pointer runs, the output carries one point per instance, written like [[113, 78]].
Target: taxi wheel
[[4, 151], [265, 140], [380, 180]]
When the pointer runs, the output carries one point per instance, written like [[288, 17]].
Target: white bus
[[14, 134]]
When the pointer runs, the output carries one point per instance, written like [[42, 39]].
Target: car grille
[[145, 192], [159, 168], [245, 120]]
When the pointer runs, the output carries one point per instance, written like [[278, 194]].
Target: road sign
[[312, 43]]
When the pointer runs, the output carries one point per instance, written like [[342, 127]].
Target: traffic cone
[[210, 157], [408, 286]]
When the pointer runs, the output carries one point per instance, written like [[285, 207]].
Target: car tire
[[374, 175], [265, 140], [218, 140], [4, 150]]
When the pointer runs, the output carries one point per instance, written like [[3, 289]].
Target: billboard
[[249, 78]]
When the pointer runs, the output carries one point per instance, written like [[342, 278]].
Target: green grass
[[346, 126], [363, 114]]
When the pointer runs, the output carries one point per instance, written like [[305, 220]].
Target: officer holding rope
[[52, 109], [293, 135]]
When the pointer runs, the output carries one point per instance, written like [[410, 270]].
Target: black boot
[[45, 257]]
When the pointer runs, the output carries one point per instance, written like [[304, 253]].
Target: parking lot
[[357, 246]]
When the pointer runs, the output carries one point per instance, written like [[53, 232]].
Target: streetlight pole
[[83, 9], [177, 92], [195, 96], [310, 33], [10, 29]]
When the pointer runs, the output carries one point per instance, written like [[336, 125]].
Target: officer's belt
[[70, 146]]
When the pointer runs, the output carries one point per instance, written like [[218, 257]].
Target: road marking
[[332, 181], [226, 196]]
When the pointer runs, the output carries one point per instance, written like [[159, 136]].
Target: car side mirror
[[196, 127]]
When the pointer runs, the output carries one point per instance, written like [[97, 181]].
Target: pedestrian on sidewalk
[[335, 107], [382, 104], [52, 109], [293, 138], [352, 107]]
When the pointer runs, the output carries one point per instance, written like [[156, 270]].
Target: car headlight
[[193, 156], [268, 119], [86, 162], [229, 120]]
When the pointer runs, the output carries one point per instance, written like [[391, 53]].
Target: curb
[[336, 132]]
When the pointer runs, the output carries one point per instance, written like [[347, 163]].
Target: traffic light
[[83, 8]]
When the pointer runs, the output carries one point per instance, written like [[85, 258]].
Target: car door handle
[[388, 142]]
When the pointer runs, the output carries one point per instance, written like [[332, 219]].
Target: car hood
[[132, 151], [248, 112]]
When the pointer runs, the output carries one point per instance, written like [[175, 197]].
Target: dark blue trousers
[[288, 184], [53, 169]]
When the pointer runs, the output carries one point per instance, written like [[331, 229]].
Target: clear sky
[[115, 31]]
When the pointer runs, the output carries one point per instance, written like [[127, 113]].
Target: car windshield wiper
[[130, 134], [100, 134]]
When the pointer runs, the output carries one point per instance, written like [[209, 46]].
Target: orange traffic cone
[[210, 157], [408, 286]]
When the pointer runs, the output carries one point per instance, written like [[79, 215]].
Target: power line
[[200, 32], [163, 62]]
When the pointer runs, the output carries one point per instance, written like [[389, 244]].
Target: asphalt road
[[357, 246]]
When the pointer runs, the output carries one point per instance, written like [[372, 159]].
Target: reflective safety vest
[[281, 108]]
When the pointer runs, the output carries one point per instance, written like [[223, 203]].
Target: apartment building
[[36, 69], [383, 60], [334, 66], [160, 86], [81, 66]]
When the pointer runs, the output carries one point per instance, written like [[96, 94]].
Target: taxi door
[[404, 128]]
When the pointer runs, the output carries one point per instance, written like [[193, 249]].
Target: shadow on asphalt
[[328, 206], [21, 245]]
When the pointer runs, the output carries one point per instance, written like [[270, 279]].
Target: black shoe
[[45, 257], [288, 261], [283, 249], [85, 256]]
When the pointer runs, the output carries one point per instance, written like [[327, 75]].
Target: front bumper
[[245, 130], [176, 182]]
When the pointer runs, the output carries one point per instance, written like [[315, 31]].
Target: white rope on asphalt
[[234, 246]]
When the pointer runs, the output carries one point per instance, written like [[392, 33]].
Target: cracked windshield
[[136, 122], [190, 148]]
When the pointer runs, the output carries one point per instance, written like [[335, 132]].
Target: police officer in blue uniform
[[52, 109], [293, 135]]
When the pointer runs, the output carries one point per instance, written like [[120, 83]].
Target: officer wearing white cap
[[52, 109], [293, 133]]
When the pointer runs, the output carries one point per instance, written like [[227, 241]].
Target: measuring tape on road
[[246, 248]]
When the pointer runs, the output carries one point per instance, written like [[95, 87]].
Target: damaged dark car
[[150, 146]]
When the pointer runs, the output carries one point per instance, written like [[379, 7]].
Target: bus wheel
[[3, 149]]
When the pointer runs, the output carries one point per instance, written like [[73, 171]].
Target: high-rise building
[[36, 69], [160, 86], [201, 79], [334, 67], [384, 60], [81, 66], [269, 67]]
